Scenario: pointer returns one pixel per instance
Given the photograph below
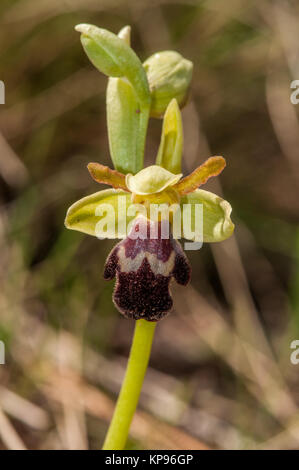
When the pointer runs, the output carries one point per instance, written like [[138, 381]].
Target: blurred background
[[220, 374]]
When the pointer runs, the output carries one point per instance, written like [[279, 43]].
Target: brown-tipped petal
[[211, 167], [143, 269], [103, 174]]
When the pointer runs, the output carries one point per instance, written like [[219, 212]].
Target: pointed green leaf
[[217, 224], [171, 145], [88, 213]]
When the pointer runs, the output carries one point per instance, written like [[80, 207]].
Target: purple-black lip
[[143, 268]]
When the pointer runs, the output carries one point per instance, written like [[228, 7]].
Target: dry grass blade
[[8, 434], [152, 433]]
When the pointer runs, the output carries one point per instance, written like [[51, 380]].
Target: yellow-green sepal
[[171, 145], [87, 215], [217, 225], [150, 180]]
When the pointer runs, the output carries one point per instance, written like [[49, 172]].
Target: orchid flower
[[144, 267]]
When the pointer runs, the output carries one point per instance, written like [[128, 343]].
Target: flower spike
[[147, 208]]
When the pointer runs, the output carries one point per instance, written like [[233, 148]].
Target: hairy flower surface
[[143, 268]]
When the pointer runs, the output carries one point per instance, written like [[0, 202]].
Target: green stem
[[129, 395]]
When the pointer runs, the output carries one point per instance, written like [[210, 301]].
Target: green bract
[[169, 76], [150, 180], [114, 57], [128, 95], [171, 145], [124, 126]]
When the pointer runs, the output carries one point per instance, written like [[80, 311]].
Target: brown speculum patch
[[143, 267]]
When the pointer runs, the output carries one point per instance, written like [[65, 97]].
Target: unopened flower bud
[[169, 76]]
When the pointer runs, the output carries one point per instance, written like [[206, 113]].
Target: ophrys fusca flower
[[149, 255], [144, 265]]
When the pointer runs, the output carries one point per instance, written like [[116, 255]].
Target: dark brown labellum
[[143, 267]]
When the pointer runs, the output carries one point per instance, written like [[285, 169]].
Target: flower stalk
[[129, 395]]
